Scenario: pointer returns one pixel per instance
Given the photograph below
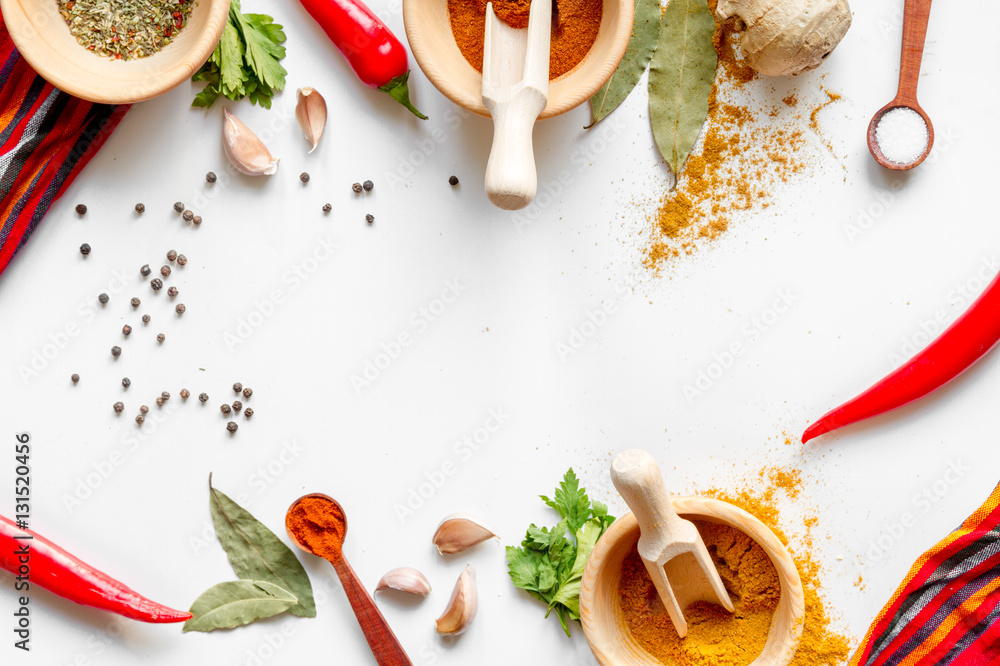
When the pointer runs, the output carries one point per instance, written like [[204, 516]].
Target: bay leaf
[[638, 53], [255, 553], [237, 602], [680, 79]]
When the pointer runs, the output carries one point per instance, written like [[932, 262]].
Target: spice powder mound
[[575, 24], [715, 636]]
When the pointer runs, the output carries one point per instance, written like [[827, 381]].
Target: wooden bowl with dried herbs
[[115, 51]]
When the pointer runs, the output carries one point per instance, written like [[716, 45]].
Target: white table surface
[[493, 349]]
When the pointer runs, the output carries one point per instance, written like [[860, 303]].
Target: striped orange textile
[[46, 138], [947, 610]]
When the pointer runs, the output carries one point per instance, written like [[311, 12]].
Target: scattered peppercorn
[[304, 177], [172, 292], [126, 382], [145, 319], [165, 270], [187, 215], [171, 255], [369, 186], [327, 208], [203, 397], [74, 378], [196, 220], [237, 406], [224, 408], [144, 409], [103, 298], [140, 208], [156, 284], [231, 426], [81, 209], [126, 329], [211, 177], [165, 395], [453, 181], [237, 387], [145, 270], [139, 419], [135, 302], [160, 337], [159, 402], [179, 206], [182, 260], [85, 249], [180, 309], [369, 218], [357, 188], [248, 412], [118, 407], [116, 351], [185, 394], [247, 392]]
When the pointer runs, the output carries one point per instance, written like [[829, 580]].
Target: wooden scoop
[[671, 547], [515, 92]]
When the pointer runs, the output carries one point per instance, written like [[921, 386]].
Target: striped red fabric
[[46, 138], [947, 610]]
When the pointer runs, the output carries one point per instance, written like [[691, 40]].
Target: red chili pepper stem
[[953, 352], [399, 91], [43, 563]]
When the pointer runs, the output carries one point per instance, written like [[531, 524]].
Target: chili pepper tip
[[399, 91]]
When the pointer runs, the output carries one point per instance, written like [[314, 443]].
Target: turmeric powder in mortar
[[715, 636]]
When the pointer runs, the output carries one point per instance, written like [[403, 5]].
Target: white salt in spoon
[[515, 92], [671, 548], [900, 135]]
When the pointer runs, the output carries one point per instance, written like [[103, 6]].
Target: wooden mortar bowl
[[428, 30], [603, 621], [42, 37]]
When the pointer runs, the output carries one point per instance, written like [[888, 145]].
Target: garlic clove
[[460, 531], [405, 579], [311, 114], [462, 606], [245, 149]]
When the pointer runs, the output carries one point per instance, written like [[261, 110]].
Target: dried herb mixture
[[125, 29]]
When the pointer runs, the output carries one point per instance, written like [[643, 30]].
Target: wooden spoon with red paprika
[[316, 523]]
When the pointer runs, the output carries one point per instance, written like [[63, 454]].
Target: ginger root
[[782, 37]]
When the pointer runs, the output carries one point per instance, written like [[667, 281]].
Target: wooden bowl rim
[[30, 43], [706, 507], [474, 103]]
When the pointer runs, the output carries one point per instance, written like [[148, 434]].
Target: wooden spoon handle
[[511, 179], [916, 14], [384, 644], [637, 476]]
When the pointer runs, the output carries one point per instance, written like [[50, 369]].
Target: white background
[[523, 290]]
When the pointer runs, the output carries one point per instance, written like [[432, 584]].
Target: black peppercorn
[[85, 249], [118, 407], [231, 426], [357, 188], [159, 402], [165, 270], [237, 387], [103, 298], [126, 382], [203, 397], [145, 319], [224, 408], [369, 218], [237, 406], [211, 177], [74, 378], [180, 309], [185, 394], [182, 260], [126, 329], [144, 409], [196, 220], [327, 208], [135, 302], [171, 255], [81, 209], [247, 392], [156, 284], [369, 186], [187, 215], [160, 337], [179, 206], [145, 270], [172, 292], [116, 351], [304, 177], [139, 419], [248, 412], [453, 181], [140, 208], [165, 395]]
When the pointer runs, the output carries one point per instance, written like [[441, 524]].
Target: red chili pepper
[[51, 567], [378, 58], [975, 333]]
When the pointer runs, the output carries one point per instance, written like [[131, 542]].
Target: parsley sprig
[[245, 61], [550, 562]]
